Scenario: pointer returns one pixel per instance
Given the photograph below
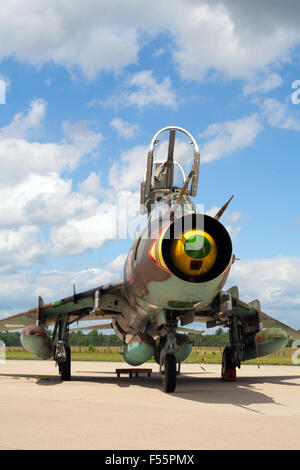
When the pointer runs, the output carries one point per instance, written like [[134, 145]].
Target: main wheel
[[228, 372], [169, 373], [65, 367]]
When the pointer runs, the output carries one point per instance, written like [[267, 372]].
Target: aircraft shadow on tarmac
[[206, 388]]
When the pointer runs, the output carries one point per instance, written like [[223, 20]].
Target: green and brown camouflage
[[169, 281]]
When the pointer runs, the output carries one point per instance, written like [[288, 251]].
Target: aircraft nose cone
[[195, 253], [197, 246]]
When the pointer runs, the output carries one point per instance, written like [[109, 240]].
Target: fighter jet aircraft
[[174, 275]]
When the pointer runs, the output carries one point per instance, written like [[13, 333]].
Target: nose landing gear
[[169, 373], [168, 360]]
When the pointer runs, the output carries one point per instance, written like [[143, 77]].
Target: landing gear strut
[[233, 355], [62, 350], [65, 366], [169, 357]]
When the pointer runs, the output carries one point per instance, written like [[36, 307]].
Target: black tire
[[226, 362], [169, 376], [65, 367]]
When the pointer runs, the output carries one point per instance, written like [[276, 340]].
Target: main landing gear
[[62, 350], [64, 366], [228, 372], [233, 355]]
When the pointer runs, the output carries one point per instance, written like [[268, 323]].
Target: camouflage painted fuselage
[[153, 284], [173, 275]]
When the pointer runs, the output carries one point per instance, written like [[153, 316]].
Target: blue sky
[[87, 86]]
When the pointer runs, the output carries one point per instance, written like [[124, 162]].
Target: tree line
[[78, 338]]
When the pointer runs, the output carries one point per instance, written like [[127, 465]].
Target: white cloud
[[236, 39], [228, 219], [263, 85], [143, 90], [275, 281], [149, 91], [2, 92], [33, 193], [233, 216], [279, 115], [212, 211], [91, 185], [117, 219], [76, 236], [117, 265], [42, 200], [233, 231], [124, 129], [226, 137], [21, 247], [31, 188], [24, 124], [129, 173], [90, 36], [5, 85], [239, 39], [223, 138], [25, 286], [20, 158]]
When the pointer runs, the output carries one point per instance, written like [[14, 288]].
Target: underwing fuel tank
[[267, 341], [35, 340], [187, 263], [184, 345], [139, 350]]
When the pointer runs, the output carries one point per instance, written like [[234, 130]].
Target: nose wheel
[[169, 373]]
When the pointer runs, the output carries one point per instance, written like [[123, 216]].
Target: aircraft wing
[[270, 322], [241, 308], [101, 302]]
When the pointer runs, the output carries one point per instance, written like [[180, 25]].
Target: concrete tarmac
[[97, 410]]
